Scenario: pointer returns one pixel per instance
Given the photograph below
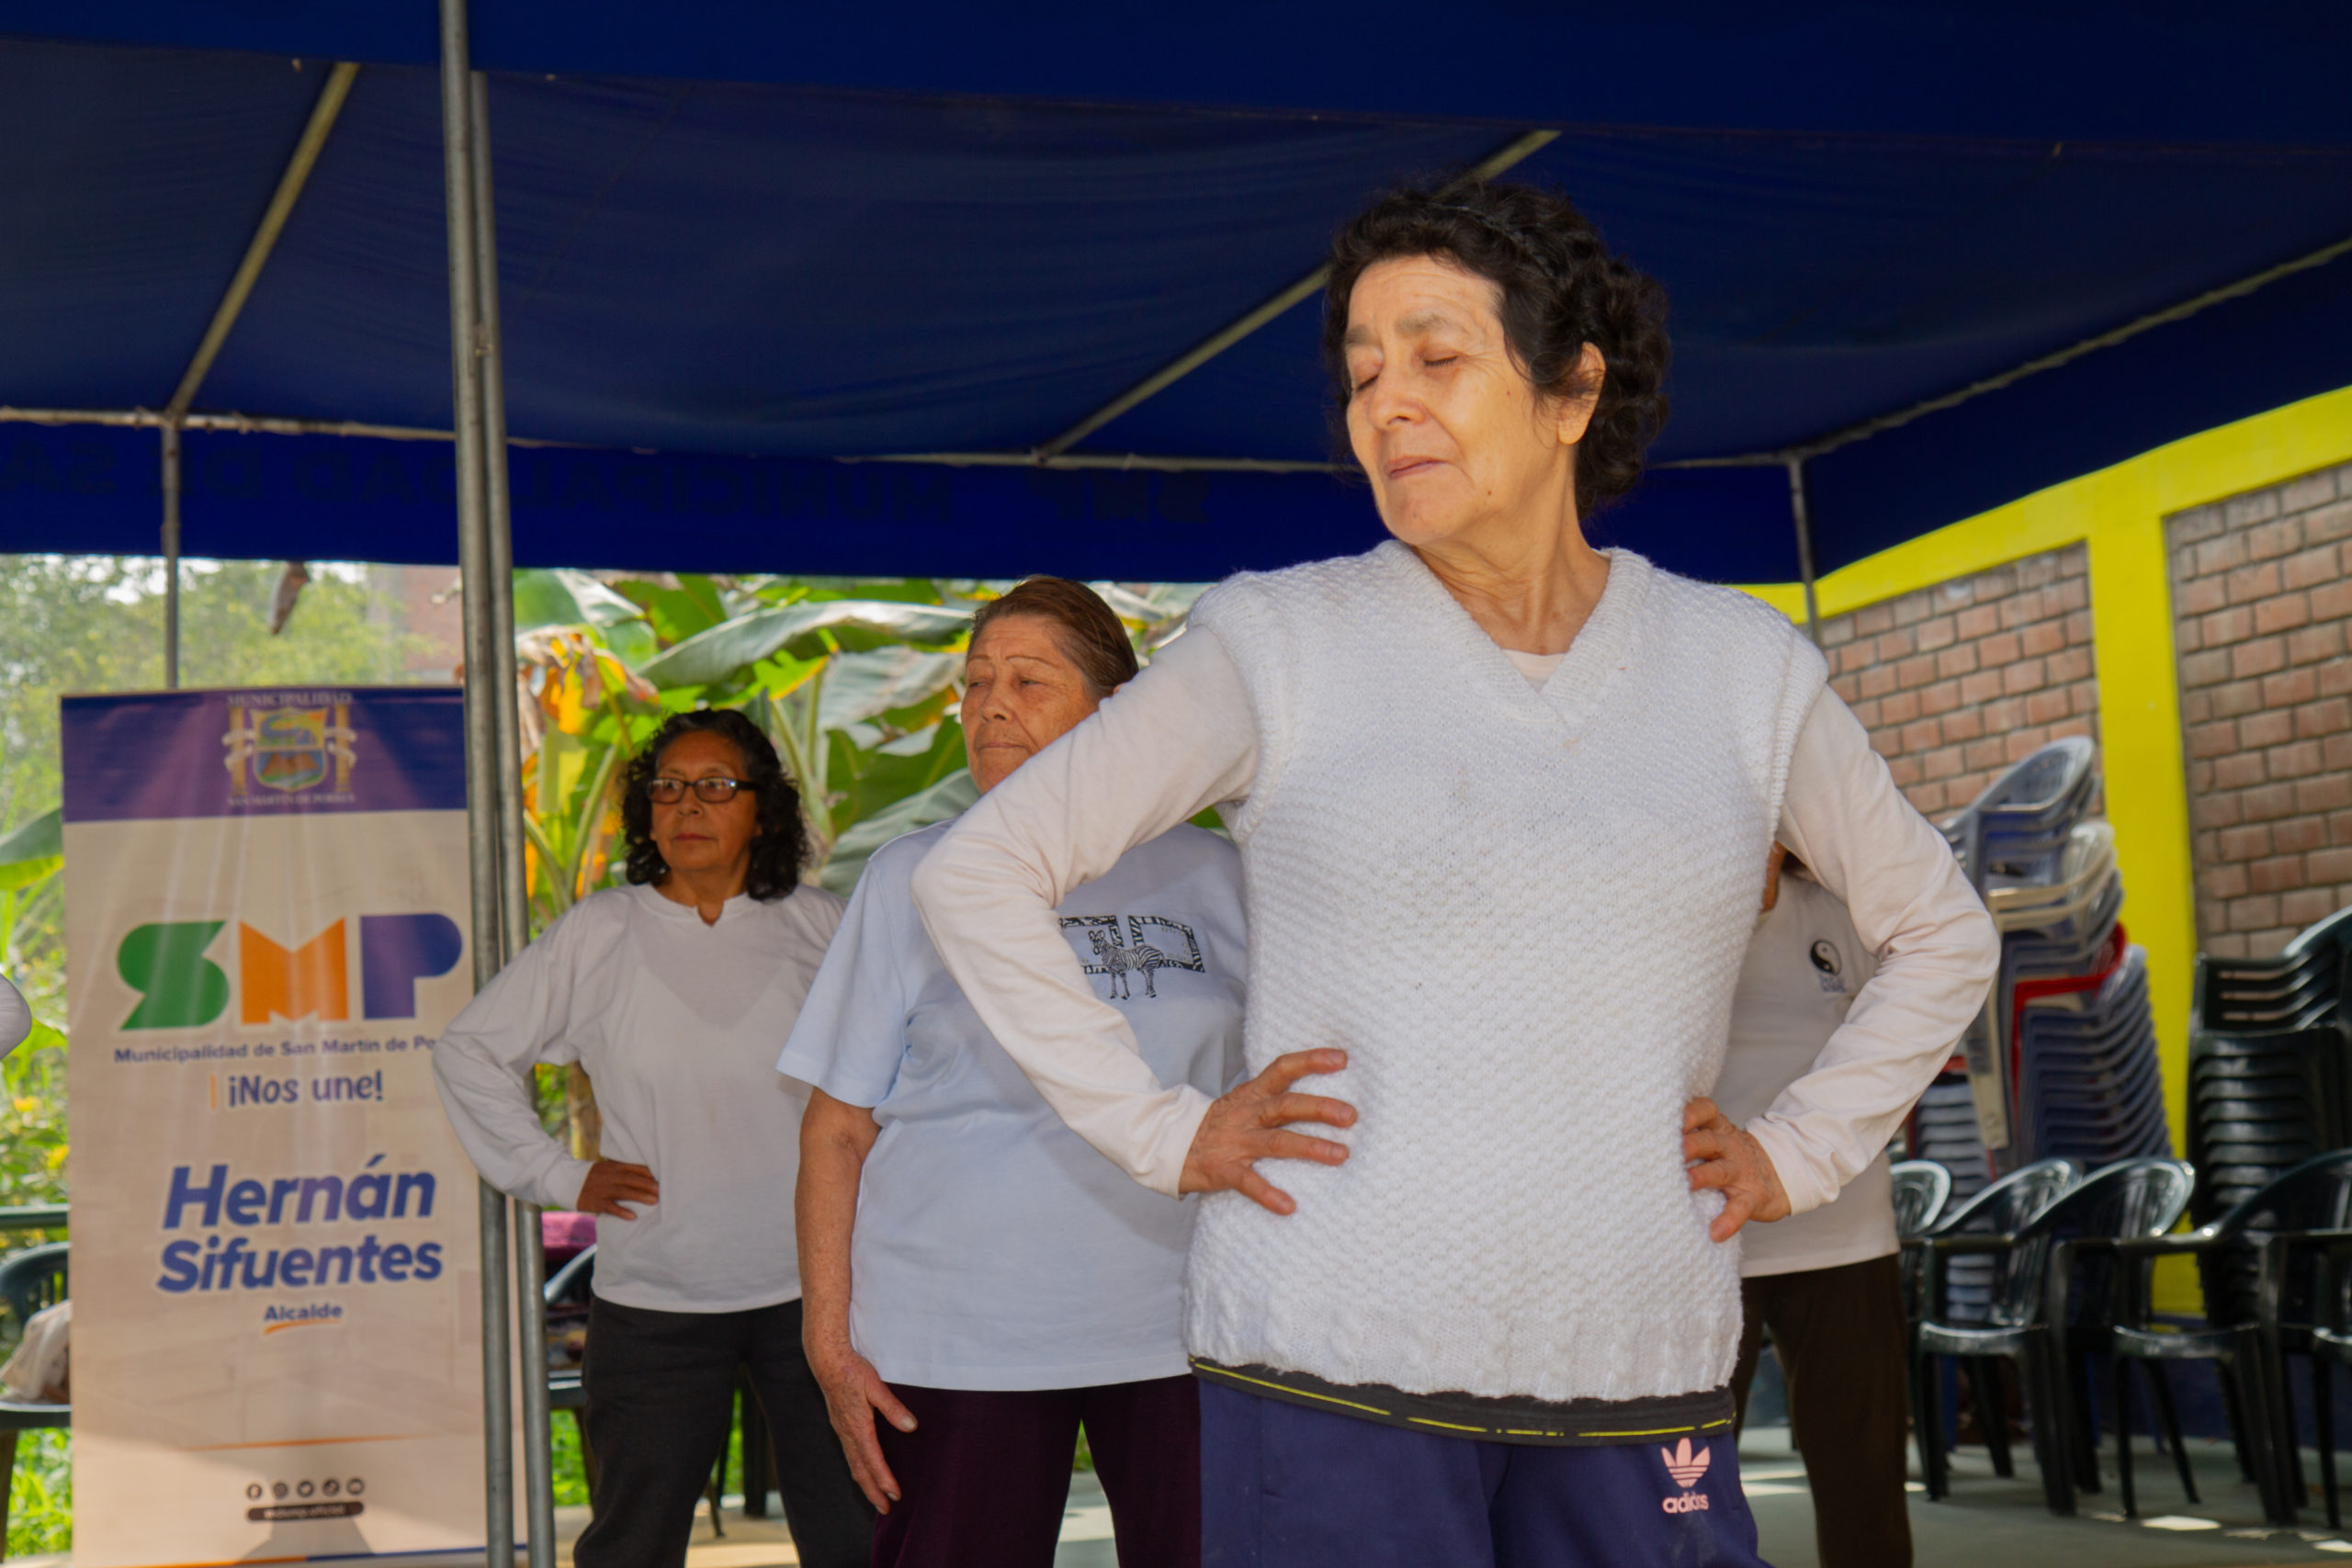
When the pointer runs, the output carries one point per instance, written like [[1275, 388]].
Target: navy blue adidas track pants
[[1286, 1486]]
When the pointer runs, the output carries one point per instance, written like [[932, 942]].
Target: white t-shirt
[[1803, 966], [994, 1249], [677, 1025]]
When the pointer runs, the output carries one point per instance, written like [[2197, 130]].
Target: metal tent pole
[[514, 892], [171, 434], [1804, 546], [481, 737]]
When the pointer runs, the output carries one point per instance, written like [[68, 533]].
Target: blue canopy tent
[[757, 242], [932, 291]]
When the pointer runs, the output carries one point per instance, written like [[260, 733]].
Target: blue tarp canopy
[[740, 244]]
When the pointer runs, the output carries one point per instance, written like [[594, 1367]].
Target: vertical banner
[[277, 1340]]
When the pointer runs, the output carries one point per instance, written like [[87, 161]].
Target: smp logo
[[180, 988]]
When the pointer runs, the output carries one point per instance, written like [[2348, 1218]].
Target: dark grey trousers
[[661, 1389], [1839, 1335]]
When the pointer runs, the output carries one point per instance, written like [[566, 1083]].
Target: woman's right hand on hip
[[1251, 1123], [610, 1182], [853, 1392]]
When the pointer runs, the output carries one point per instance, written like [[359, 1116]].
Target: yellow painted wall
[[2119, 512]]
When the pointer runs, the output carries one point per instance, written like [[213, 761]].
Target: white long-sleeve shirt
[[678, 1025], [1182, 737]]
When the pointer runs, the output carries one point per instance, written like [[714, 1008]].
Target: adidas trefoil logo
[[1686, 1466]]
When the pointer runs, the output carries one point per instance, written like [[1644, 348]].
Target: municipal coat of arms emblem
[[288, 749]]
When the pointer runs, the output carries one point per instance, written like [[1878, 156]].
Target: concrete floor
[[1986, 1521]]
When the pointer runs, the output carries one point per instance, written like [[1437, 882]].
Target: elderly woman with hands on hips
[[975, 1274], [1505, 802], [673, 993]]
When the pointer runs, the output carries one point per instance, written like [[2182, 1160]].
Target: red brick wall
[[1957, 681], [2261, 603]]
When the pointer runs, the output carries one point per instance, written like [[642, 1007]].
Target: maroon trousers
[[983, 1477]]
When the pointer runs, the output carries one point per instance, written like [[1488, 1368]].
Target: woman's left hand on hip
[[1725, 1157], [1252, 1122]]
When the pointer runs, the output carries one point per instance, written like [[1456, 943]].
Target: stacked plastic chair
[[2068, 1034], [2018, 826], [2269, 1063], [1944, 1130]]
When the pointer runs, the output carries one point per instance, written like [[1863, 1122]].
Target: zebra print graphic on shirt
[[1121, 951]]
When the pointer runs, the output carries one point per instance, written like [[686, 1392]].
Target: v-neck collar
[[1574, 691]]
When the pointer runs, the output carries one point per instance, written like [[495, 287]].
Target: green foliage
[[570, 1471], [584, 715], [96, 624], [719, 651], [857, 843], [40, 1494], [854, 682], [33, 1142], [32, 1121], [33, 850]]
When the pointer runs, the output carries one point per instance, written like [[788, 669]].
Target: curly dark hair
[[1561, 288], [780, 842]]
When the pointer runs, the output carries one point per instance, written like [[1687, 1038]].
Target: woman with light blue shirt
[[972, 1270]]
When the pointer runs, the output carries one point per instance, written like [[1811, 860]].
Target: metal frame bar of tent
[[224, 316], [1519, 147], [1122, 462], [1793, 457], [1863, 429]]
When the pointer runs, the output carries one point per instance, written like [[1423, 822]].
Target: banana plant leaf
[[563, 597], [950, 796], [859, 686], [695, 604], [711, 656], [33, 850]]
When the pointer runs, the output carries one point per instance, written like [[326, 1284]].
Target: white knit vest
[[1521, 913]]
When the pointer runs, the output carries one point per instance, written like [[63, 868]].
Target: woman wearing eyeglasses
[[674, 993]]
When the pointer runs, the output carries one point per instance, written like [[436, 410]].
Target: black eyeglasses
[[710, 792]]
